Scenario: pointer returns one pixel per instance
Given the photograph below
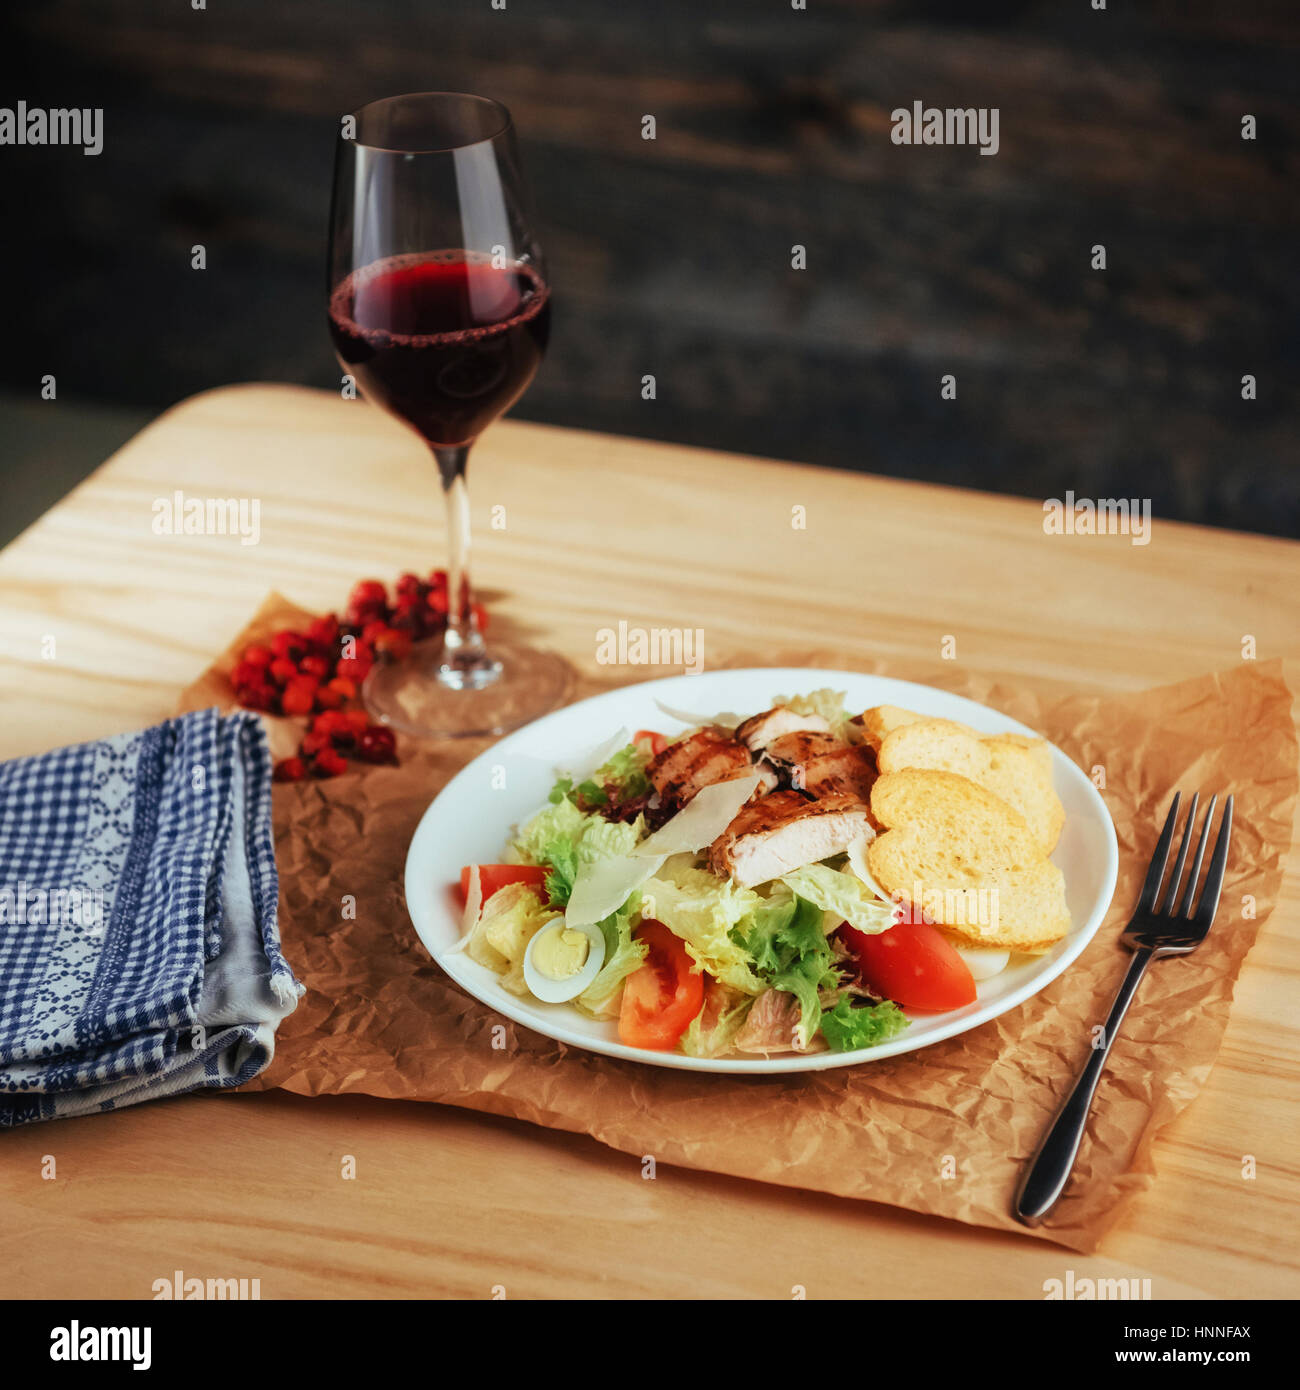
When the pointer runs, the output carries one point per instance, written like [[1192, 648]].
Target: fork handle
[[1050, 1170]]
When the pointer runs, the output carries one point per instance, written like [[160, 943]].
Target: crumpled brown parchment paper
[[379, 1016]]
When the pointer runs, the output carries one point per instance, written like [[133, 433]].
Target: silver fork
[[1151, 934]]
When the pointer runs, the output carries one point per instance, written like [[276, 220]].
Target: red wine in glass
[[447, 340], [439, 308]]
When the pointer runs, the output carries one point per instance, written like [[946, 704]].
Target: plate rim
[[1079, 939]]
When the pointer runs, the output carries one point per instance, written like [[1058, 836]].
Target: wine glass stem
[[465, 662]]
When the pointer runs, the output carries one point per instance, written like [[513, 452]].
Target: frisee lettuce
[[625, 772], [792, 953], [849, 1026], [621, 778], [561, 857]]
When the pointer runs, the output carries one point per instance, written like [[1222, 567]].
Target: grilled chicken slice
[[823, 766], [789, 752], [847, 772], [775, 834], [683, 768], [758, 732]]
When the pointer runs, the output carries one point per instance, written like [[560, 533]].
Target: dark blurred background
[[672, 257]]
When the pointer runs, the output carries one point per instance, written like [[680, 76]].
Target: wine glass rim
[[502, 113]]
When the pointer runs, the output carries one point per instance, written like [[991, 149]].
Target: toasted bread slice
[[953, 849], [1012, 766], [1042, 754], [935, 743], [1020, 772], [881, 720]]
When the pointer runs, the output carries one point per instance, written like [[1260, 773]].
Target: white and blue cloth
[[139, 951]]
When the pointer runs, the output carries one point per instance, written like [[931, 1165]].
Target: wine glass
[[439, 308]]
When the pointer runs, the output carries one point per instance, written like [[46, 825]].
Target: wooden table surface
[[447, 1202]]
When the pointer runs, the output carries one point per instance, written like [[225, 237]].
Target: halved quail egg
[[561, 961], [984, 961]]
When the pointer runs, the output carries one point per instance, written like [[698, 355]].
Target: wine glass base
[[478, 677], [409, 696]]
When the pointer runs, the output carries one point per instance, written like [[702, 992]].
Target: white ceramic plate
[[469, 823]]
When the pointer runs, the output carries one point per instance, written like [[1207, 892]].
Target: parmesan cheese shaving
[[726, 720], [857, 853], [473, 906], [708, 813], [602, 887]]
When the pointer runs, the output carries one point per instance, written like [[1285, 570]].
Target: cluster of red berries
[[419, 608], [334, 736], [319, 671]]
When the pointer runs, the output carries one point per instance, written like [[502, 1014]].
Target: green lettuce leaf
[[791, 951], [608, 839], [826, 702], [561, 858], [847, 1027], [843, 894], [559, 821], [562, 838], [763, 932], [624, 775], [620, 779], [702, 909], [509, 920]]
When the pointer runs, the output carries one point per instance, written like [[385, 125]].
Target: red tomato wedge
[[662, 995], [913, 964], [657, 742], [494, 876]]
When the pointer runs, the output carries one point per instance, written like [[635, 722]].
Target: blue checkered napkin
[[139, 952]]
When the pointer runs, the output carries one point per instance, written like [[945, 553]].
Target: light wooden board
[[599, 529]]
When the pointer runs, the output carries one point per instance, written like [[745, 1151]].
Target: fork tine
[[1189, 893], [1171, 888], [1209, 903], [1154, 874]]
